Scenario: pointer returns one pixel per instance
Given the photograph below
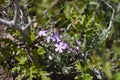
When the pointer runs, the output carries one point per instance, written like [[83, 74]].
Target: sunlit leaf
[[40, 50]]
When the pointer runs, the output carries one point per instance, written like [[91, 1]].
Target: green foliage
[[116, 76], [87, 21], [2, 1], [40, 50], [83, 73]]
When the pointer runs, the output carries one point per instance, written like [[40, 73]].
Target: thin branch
[[12, 4], [6, 22], [112, 17], [32, 21], [30, 56], [52, 5], [15, 23], [111, 20], [16, 12], [25, 15]]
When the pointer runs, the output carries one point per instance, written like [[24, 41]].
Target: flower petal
[[60, 50], [56, 45], [56, 49]]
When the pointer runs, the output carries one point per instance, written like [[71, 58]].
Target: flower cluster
[[43, 33], [59, 45]]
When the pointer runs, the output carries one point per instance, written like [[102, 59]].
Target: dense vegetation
[[61, 39]]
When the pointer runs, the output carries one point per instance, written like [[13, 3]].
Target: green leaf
[[117, 76], [45, 78], [78, 67], [41, 51], [107, 69], [86, 76], [82, 19], [94, 3], [32, 72], [16, 69], [116, 48], [22, 59], [32, 35], [77, 36], [22, 75], [44, 75], [115, 0]]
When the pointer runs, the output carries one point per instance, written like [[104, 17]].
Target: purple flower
[[78, 42], [77, 48], [69, 50], [57, 37], [60, 47], [43, 33], [49, 39], [65, 45]]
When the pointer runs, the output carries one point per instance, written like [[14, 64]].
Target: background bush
[[61, 39]]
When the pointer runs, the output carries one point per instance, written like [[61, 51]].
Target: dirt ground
[[3, 74]]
